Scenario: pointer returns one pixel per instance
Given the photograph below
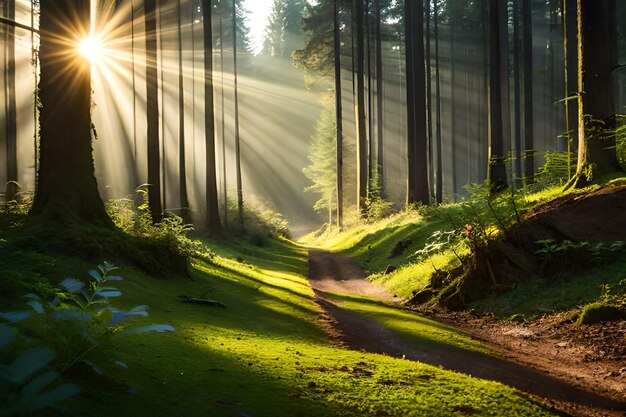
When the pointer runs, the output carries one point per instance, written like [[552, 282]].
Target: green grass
[[410, 326], [266, 355]]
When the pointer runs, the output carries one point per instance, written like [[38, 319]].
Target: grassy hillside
[[407, 252]]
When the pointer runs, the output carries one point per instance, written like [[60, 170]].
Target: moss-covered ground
[[265, 354]]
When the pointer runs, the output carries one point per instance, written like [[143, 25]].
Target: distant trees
[[283, 31], [66, 187], [323, 170]]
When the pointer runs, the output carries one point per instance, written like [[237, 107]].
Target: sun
[[92, 48]]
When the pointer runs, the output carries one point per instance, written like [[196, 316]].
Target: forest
[[313, 208]]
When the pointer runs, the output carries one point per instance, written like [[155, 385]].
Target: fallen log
[[202, 301]]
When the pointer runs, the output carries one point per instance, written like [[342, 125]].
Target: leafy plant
[[576, 253], [27, 383], [441, 241], [80, 318]]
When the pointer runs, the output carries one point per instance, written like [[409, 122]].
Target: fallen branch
[[203, 301]]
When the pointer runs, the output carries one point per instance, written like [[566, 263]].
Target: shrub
[[599, 312], [80, 318], [260, 221], [172, 232]]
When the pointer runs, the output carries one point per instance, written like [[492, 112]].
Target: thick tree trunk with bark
[[212, 211], [597, 59], [570, 46], [417, 180], [152, 112], [67, 188]]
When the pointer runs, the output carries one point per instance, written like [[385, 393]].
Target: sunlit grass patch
[[411, 326]]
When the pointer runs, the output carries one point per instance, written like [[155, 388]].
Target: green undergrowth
[[394, 241], [265, 354], [392, 253]]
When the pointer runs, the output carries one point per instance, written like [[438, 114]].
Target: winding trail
[[333, 273]]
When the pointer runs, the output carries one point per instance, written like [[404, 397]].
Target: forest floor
[[550, 359]]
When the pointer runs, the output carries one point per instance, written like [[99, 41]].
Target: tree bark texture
[[497, 104], [152, 112], [212, 210], [338, 111], [66, 188], [417, 179], [597, 59], [361, 128]]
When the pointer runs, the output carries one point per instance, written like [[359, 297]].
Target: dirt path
[[330, 272]]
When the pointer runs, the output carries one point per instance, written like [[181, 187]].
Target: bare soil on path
[[333, 273]]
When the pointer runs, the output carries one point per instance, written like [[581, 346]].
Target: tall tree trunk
[[380, 99], [570, 49], [517, 125], [453, 105], [182, 161], [338, 112], [133, 76], [152, 113], [597, 58], [212, 211], [438, 139], [236, 115], [161, 90], [223, 13], [67, 188], [11, 113], [429, 99], [529, 121], [361, 128], [497, 105], [417, 179], [370, 101]]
